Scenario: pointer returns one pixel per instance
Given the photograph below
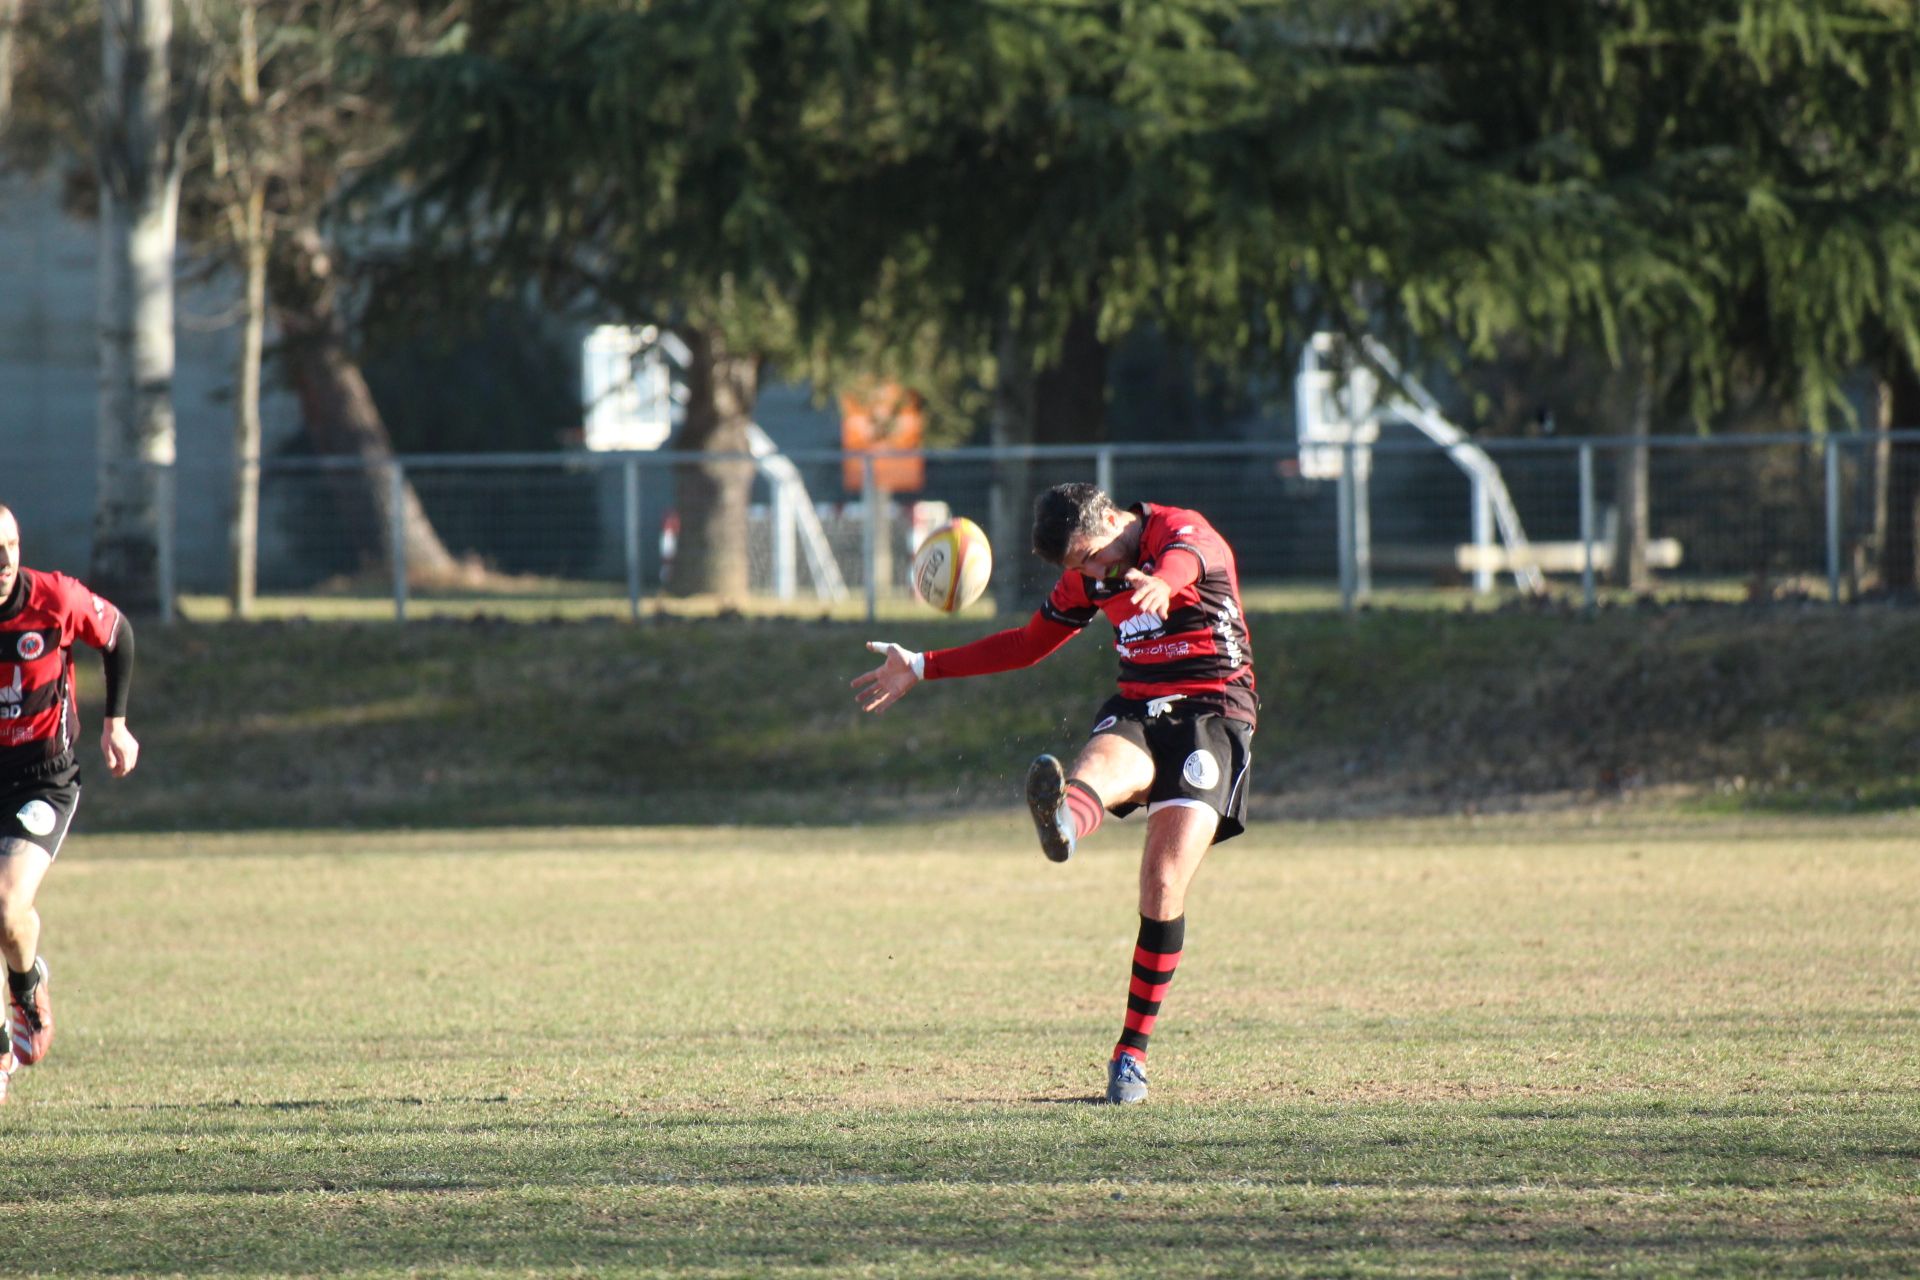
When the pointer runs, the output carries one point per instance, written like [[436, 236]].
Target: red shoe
[[31, 1024]]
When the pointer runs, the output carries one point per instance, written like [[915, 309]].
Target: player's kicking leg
[[1068, 806]]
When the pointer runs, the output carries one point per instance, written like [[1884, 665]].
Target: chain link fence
[[822, 532]]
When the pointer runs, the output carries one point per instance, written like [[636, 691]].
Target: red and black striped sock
[[1083, 802], [1155, 957]]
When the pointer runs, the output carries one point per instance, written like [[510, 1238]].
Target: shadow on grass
[[314, 1186]]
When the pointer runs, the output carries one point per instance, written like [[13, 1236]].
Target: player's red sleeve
[[1179, 567], [90, 619], [1007, 650]]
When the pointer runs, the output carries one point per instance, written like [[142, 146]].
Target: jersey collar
[[11, 607]]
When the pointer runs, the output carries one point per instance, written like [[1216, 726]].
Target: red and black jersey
[[1201, 650], [39, 712]]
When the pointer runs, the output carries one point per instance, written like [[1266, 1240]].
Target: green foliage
[[1724, 188]]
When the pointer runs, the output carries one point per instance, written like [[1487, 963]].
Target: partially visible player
[[1178, 737], [41, 615]]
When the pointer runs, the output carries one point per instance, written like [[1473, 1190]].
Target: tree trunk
[[1070, 395], [248, 222], [1064, 403], [1630, 488], [1011, 503], [139, 203], [341, 419], [9, 24], [1899, 509], [722, 389], [244, 536]]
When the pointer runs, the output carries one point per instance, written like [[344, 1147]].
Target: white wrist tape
[[918, 661]]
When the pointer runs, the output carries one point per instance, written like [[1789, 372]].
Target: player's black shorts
[[39, 813], [1199, 755]]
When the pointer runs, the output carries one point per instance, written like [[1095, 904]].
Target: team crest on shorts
[[38, 817], [1106, 724], [1201, 771], [31, 644]]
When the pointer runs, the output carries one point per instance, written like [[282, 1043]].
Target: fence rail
[[817, 527]]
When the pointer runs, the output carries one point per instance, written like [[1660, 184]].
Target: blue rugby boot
[[1126, 1080], [1047, 802]]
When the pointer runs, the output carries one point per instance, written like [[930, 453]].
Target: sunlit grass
[[1595, 1044]]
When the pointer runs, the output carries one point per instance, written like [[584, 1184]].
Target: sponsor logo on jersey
[[32, 644], [1139, 626], [1165, 649], [1201, 770], [10, 696], [1229, 639], [38, 817]]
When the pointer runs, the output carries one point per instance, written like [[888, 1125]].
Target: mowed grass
[[1625, 1045]]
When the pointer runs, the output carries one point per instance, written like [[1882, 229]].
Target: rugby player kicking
[[41, 615], [1178, 737]]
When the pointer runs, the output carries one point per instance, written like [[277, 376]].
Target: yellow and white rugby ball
[[951, 568]]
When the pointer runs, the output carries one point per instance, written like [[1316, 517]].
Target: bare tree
[[137, 158], [9, 25], [293, 111]]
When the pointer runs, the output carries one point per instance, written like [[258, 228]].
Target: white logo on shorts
[[38, 817], [1200, 771], [1104, 725]]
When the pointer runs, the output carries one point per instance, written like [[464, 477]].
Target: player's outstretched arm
[[889, 682]]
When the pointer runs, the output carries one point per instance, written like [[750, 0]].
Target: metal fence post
[[1482, 536], [397, 535], [1586, 527], [630, 477], [1343, 517], [870, 534], [1833, 517], [168, 494], [1363, 524], [783, 531], [1103, 470]]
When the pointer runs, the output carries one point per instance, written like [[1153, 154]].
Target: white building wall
[[48, 392]]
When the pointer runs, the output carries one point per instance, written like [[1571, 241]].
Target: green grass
[[1618, 1044]]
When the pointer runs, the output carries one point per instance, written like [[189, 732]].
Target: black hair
[[1064, 511]]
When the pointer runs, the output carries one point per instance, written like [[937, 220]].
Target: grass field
[[1623, 1044]]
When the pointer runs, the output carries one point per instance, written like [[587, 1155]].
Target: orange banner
[[885, 416]]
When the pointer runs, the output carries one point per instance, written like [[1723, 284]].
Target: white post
[[631, 504], [786, 576], [1103, 471], [1586, 526], [1482, 536]]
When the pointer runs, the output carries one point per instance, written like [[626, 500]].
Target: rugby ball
[[951, 568]]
